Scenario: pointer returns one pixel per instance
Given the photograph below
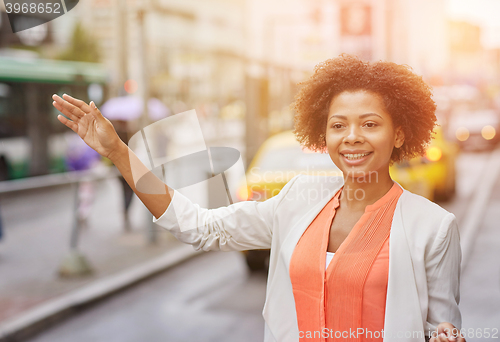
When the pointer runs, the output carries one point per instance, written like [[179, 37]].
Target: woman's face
[[360, 135]]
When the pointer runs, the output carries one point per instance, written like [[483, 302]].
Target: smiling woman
[[366, 116]]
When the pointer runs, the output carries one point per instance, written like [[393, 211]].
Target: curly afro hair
[[407, 98]]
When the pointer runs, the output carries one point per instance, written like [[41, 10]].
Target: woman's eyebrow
[[369, 114], [338, 117], [361, 116]]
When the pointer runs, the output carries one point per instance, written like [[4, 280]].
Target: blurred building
[[304, 33], [465, 47], [193, 49]]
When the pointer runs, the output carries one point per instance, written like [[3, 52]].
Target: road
[[213, 297]]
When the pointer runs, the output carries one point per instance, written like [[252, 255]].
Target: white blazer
[[424, 249]]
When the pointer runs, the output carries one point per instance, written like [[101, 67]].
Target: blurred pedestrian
[[80, 157], [122, 129], [4, 175]]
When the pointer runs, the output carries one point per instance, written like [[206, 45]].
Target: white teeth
[[355, 156]]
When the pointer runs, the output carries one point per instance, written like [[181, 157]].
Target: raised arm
[[237, 227], [240, 226], [96, 131]]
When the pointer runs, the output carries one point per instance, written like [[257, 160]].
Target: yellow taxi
[[281, 157], [433, 175], [277, 161]]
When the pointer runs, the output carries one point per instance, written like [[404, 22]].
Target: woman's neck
[[358, 192]]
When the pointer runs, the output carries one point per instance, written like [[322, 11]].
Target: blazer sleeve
[[239, 226], [443, 276]]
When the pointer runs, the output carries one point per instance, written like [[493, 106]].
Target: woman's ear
[[399, 138]]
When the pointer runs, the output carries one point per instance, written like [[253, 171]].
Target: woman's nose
[[353, 135]]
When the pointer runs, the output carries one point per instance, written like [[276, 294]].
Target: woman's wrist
[[118, 154]]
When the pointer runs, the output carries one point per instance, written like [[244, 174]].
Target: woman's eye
[[337, 126], [371, 124]]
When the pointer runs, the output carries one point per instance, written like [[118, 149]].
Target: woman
[[366, 116]]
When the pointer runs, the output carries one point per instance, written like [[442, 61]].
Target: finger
[[452, 332], [448, 330], [443, 337], [68, 123], [65, 111], [96, 112], [78, 103], [69, 108]]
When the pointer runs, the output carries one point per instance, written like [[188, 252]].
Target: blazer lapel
[[283, 323], [299, 228], [402, 312]]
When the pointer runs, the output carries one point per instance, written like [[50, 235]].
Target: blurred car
[[476, 130], [277, 161], [432, 175]]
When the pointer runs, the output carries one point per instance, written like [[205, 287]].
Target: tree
[[82, 47]]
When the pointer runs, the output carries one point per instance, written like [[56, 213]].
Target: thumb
[[447, 329], [96, 112]]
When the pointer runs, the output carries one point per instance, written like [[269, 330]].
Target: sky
[[485, 13]]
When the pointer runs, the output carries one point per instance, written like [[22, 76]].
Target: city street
[[226, 101], [213, 297], [208, 298]]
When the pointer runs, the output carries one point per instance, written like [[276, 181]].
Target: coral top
[[351, 293]]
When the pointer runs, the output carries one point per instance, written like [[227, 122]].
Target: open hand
[[87, 121]]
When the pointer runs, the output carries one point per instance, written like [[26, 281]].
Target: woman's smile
[[355, 158]]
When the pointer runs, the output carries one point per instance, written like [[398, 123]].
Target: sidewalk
[[37, 226]]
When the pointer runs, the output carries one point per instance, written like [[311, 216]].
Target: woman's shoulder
[[421, 205], [424, 221]]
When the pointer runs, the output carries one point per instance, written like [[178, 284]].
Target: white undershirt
[[329, 256]]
